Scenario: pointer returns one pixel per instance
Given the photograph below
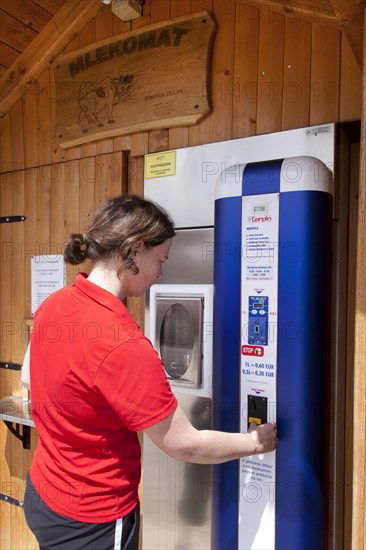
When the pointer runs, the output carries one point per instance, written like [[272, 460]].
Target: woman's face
[[150, 264]]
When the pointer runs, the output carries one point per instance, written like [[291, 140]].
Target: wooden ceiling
[[23, 20]]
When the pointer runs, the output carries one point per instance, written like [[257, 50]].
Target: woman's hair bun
[[76, 248]]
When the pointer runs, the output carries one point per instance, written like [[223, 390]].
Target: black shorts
[[54, 531]]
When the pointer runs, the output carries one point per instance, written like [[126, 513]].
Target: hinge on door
[[11, 500], [12, 219]]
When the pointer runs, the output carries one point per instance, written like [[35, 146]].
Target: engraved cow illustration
[[94, 98]]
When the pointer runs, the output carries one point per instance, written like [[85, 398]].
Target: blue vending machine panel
[[258, 320], [276, 367]]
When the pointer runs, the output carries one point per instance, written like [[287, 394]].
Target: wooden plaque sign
[[156, 77]]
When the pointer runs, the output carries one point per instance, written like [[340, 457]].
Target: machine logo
[[256, 219]]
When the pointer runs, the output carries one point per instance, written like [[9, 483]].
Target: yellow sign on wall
[[156, 77], [160, 165]]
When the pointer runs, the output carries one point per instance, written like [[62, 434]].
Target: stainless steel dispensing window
[[179, 338]]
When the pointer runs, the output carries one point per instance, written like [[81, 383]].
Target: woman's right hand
[[264, 437]]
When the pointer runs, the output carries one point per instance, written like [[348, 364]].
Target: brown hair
[[116, 226]]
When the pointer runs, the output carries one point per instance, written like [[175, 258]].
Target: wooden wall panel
[[104, 29], [270, 72], [245, 71], [296, 82], [44, 127], [324, 90], [30, 121], [359, 324], [88, 36], [178, 137], [16, 135], [222, 86], [71, 212], [29, 247], [17, 270], [5, 144], [350, 103], [201, 132], [7, 250]]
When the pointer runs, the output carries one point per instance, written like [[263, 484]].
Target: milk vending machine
[[241, 321]]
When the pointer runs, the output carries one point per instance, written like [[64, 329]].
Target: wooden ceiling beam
[[46, 46], [350, 17]]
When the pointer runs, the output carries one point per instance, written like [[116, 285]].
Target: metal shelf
[[15, 412]]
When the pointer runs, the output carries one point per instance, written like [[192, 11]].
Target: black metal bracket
[[12, 219], [10, 366], [11, 500], [22, 434]]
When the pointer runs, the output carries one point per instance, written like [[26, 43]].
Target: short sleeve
[[133, 382]]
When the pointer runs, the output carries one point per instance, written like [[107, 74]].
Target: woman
[[96, 381]]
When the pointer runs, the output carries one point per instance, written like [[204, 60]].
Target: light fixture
[[127, 10]]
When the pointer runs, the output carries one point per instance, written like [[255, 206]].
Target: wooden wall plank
[[104, 29], [16, 136], [58, 212], [201, 5], [14, 453], [5, 145], [30, 127], [159, 11], [18, 276], [350, 101], [43, 229], [350, 350], [135, 186], [270, 72], [74, 152], [136, 176], [296, 82], [71, 214], [117, 174], [245, 71], [324, 92], [102, 184], [86, 192], [122, 143], [30, 246], [44, 129], [88, 36], [158, 139], [6, 289], [86, 198], [140, 140], [178, 137], [359, 420], [221, 117], [200, 133]]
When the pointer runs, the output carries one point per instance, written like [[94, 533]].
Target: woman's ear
[[137, 247]]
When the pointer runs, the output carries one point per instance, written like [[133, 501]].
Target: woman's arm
[[25, 375], [176, 436]]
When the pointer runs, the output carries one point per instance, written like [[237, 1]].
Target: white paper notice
[[48, 275]]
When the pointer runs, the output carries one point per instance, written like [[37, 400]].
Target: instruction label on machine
[[259, 272]]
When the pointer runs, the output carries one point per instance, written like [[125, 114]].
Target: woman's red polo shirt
[[95, 381]]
